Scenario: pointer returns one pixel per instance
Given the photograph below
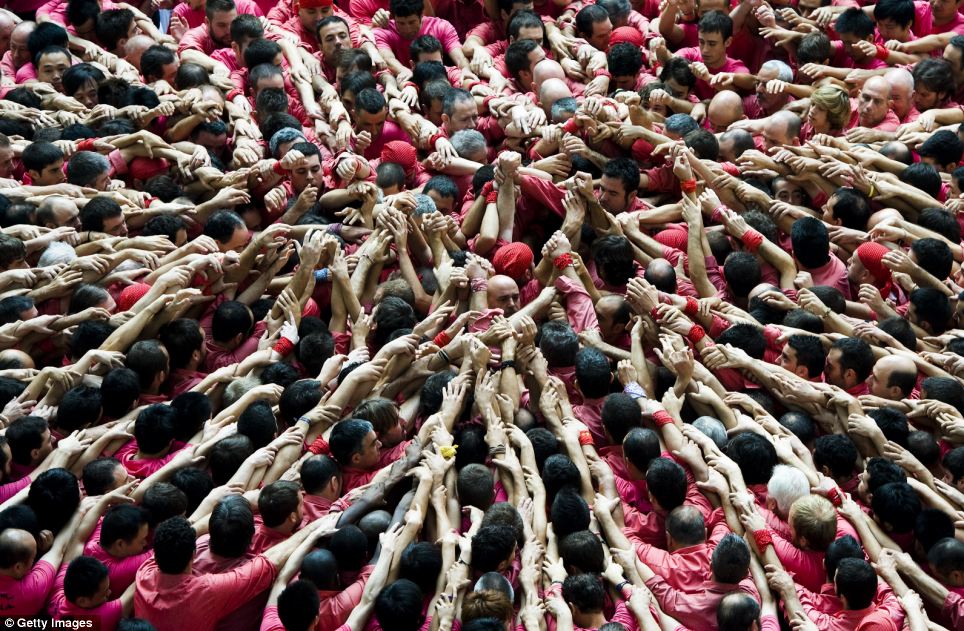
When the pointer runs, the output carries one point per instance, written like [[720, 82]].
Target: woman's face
[[817, 117], [87, 94]]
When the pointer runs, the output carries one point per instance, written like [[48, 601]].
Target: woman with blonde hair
[[829, 112]]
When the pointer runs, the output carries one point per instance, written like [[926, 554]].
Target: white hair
[[467, 142], [713, 428], [424, 205], [57, 253], [784, 72], [786, 486]]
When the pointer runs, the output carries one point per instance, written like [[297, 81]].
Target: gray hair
[[424, 205], [564, 108], [85, 167], [784, 72], [713, 428], [467, 142], [283, 135], [236, 389], [786, 486], [57, 253]]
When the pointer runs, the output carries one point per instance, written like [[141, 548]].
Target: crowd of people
[[485, 315]]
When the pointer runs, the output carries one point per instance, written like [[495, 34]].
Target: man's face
[[464, 116], [926, 99], [121, 477], [6, 29], [19, 52], [170, 71], [334, 39], [828, 212], [727, 150], [239, 239], [713, 48], [530, 32], [51, 69], [537, 55], [769, 102], [856, 272], [102, 183], [212, 142], [607, 310], [67, 215], [849, 39], [137, 545], [116, 226], [943, 10], [434, 113], [310, 17], [51, 174], [408, 26], [367, 458], [600, 34], [678, 90], [87, 94], [788, 359], [220, 27], [372, 123], [776, 134], [504, 295], [952, 55], [788, 193], [872, 104], [6, 161], [878, 380], [817, 117], [613, 195], [445, 205], [46, 445], [889, 29], [309, 172], [273, 81]]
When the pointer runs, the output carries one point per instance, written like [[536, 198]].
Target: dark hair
[[811, 241], [582, 550], [731, 560], [593, 373], [298, 606], [346, 439], [80, 406], [896, 504], [891, 421], [614, 258], [809, 352], [174, 545], [585, 591], [856, 22], [121, 523], [92, 215], [755, 456], [934, 256], [227, 456], [716, 22], [923, 176], [153, 61], [742, 273], [932, 307], [398, 607], [667, 482], [837, 452], [624, 60], [569, 512], [38, 155], [83, 578], [162, 501], [856, 355], [944, 146], [232, 527], [941, 221], [196, 484], [98, 476], [421, 563], [932, 525], [737, 611], [587, 16], [54, 496], [492, 545], [154, 428], [119, 389], [112, 26], [856, 580]]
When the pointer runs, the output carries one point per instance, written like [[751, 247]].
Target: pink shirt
[[390, 131], [703, 89], [436, 27], [833, 274], [172, 602], [141, 468], [579, 306], [121, 571], [199, 39], [246, 616], [27, 596], [105, 616], [687, 568], [337, 605], [890, 122], [195, 17], [696, 608]]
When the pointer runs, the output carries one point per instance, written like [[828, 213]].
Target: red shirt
[[172, 602], [26, 597], [337, 605]]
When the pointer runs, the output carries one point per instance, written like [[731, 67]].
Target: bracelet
[[834, 496], [334, 228], [322, 275], [654, 313], [409, 84], [278, 169], [233, 94], [442, 339], [585, 438], [571, 126], [562, 261], [319, 447], [283, 347], [509, 363], [602, 72], [434, 140], [696, 334], [688, 186], [882, 53], [872, 191], [441, 353], [303, 419], [634, 390], [692, 306], [662, 417], [752, 240], [479, 284], [619, 588], [87, 144], [717, 215], [492, 197], [763, 539], [826, 313]]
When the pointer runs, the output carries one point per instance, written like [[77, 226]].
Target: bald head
[[17, 548], [661, 275], [503, 293], [782, 129], [901, 91], [893, 377], [873, 102], [135, 47], [725, 108], [552, 90], [545, 70], [6, 29], [19, 53]]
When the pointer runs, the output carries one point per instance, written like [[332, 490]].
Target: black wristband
[[509, 363]]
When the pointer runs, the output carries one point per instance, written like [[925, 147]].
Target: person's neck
[[719, 64], [142, 455], [589, 620]]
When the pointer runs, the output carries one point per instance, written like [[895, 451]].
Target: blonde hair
[[486, 603], [815, 518], [835, 102], [380, 412]]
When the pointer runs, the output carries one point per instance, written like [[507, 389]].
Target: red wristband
[[319, 446], [602, 72], [283, 347], [692, 306], [491, 197], [662, 417], [717, 216], [752, 240], [654, 313], [409, 84], [688, 186], [882, 53], [571, 126], [434, 140], [763, 539], [585, 438], [834, 496], [87, 144], [487, 100], [562, 261], [280, 170], [233, 93], [472, 84], [442, 339], [696, 334]]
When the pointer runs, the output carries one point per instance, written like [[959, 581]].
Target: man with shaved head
[[503, 293], [871, 108], [902, 94], [726, 107]]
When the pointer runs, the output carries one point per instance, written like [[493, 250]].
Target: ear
[[802, 372]]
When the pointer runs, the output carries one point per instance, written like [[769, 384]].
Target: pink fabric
[[244, 617], [336, 606], [696, 608], [579, 306], [172, 602], [832, 274], [105, 616], [26, 597], [438, 28], [121, 571], [143, 467], [195, 17], [703, 89], [199, 39]]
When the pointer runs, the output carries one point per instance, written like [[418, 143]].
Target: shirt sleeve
[[35, 587], [545, 193], [953, 609], [579, 307], [229, 590], [448, 36]]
